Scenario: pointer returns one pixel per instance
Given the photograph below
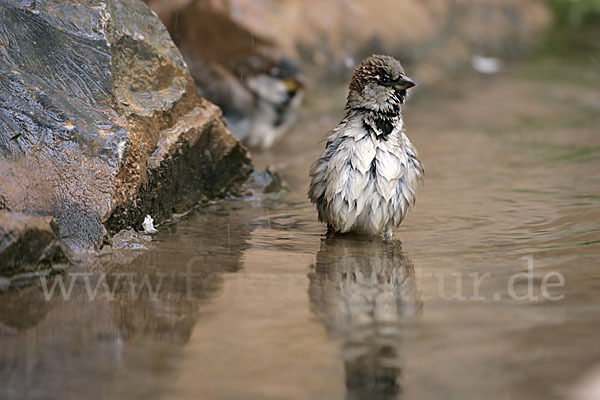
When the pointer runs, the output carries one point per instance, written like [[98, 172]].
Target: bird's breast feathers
[[363, 182]]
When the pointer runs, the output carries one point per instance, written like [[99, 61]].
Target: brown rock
[[100, 120], [27, 243]]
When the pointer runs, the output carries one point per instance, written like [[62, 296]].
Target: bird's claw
[[330, 232]]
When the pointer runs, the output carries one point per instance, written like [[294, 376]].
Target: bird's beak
[[404, 82], [292, 84]]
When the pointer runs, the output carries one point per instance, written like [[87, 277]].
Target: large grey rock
[[100, 121]]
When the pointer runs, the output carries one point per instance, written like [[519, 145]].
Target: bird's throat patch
[[380, 125]]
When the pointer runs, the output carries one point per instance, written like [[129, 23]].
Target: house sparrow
[[276, 88], [258, 86], [366, 179]]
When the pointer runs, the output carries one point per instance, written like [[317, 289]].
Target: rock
[[433, 38], [4, 285], [100, 121], [267, 181], [27, 244]]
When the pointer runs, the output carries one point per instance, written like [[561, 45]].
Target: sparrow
[[366, 178], [276, 90], [257, 85]]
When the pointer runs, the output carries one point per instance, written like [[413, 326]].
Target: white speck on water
[[148, 225]]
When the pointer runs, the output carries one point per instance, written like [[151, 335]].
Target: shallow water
[[248, 301]]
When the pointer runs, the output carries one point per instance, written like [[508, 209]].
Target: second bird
[[366, 179]]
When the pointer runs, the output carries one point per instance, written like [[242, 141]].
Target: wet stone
[[101, 123], [267, 181], [4, 284], [27, 244]]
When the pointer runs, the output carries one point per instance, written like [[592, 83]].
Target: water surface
[[249, 301]]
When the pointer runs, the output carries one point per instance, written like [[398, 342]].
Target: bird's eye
[[384, 80]]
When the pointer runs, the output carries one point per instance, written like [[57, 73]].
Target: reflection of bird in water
[[362, 290], [258, 87]]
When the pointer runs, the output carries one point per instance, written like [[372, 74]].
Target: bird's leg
[[330, 231], [388, 235]]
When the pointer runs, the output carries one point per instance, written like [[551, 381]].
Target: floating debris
[[148, 225]]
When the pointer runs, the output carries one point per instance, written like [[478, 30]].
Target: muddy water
[[489, 290]]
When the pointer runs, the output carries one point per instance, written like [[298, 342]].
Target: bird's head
[[379, 84]]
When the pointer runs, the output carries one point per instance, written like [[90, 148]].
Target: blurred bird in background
[[258, 87]]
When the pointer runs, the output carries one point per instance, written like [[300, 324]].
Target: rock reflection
[[143, 312], [363, 289], [156, 295]]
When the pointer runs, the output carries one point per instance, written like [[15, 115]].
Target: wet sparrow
[[365, 180]]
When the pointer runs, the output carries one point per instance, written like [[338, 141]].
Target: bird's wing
[[406, 186]]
